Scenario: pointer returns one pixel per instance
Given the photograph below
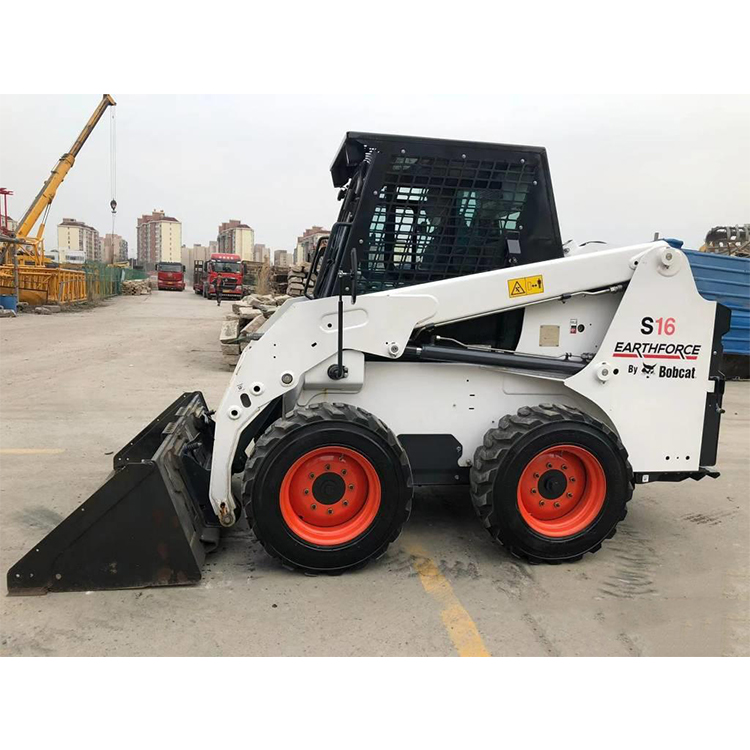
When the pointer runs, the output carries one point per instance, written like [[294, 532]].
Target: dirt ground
[[76, 387]]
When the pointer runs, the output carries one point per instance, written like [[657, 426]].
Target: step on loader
[[446, 337]]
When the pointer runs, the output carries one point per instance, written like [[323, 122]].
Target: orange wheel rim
[[561, 491], [330, 496]]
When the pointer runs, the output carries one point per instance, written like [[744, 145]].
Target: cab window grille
[[437, 218]]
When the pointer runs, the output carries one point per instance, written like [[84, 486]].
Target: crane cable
[[113, 167]]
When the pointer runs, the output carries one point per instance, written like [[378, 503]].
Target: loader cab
[[421, 209]]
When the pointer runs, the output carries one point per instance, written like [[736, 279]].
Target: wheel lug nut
[[351, 486], [345, 503], [307, 492], [343, 471], [541, 502], [533, 491], [549, 465], [570, 494], [314, 507], [557, 505], [312, 476], [330, 511], [564, 467], [536, 475], [328, 467], [572, 479]]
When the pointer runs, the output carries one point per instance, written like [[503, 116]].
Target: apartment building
[[75, 235], [261, 252], [159, 238], [307, 243], [191, 254], [236, 237], [281, 258], [114, 249]]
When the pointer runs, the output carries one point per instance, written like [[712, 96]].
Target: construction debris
[[253, 325], [136, 286], [297, 275], [47, 309], [4, 313], [246, 318]]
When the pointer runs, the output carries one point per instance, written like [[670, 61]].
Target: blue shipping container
[[726, 280]]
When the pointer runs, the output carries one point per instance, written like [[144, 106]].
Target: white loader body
[[632, 314]]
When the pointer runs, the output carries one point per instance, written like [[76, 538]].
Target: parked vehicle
[[450, 338], [170, 276], [224, 266]]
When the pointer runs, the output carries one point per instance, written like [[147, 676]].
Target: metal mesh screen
[[437, 218]]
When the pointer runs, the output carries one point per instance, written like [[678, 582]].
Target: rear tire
[[551, 483], [327, 488]]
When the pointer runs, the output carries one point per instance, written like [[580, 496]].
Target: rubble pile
[[296, 283], [136, 286], [247, 316]]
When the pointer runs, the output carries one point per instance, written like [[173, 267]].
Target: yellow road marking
[[31, 451], [461, 628]]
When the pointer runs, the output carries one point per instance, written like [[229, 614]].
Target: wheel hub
[[552, 484], [561, 491], [330, 495]]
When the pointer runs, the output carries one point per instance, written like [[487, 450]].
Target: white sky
[[623, 167]]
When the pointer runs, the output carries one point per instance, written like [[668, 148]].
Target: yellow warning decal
[[526, 285]]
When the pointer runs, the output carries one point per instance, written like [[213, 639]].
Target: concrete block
[[230, 329], [245, 312], [254, 324]]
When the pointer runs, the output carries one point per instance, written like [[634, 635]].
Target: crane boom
[[47, 194]]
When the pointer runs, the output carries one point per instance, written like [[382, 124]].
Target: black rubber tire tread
[[302, 417], [496, 444]]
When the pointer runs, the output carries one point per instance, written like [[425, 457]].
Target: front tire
[[551, 483], [327, 488]]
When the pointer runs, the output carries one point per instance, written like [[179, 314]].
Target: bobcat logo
[[648, 370]]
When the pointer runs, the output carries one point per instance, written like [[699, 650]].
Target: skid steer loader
[[449, 338]]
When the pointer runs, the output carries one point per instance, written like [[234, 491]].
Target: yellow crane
[[40, 205], [30, 247]]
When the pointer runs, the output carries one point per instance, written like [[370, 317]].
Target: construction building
[[114, 249], [75, 235], [236, 237], [307, 243], [159, 238], [281, 258], [66, 256]]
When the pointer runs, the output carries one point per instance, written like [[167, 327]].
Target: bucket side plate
[[141, 528]]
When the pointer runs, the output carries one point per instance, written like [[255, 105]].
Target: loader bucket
[[149, 524]]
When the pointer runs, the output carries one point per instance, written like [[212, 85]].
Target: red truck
[[224, 266], [170, 276]]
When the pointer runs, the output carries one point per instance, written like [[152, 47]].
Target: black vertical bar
[[341, 333]]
